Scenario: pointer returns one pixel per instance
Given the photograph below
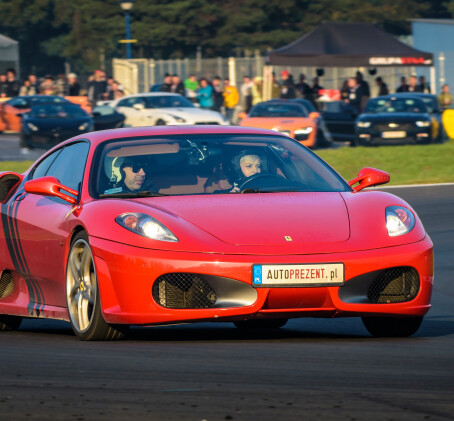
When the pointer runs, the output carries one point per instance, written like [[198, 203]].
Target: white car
[[161, 108]]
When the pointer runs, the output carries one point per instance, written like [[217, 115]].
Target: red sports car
[[163, 225]]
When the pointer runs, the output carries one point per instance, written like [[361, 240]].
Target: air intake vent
[[183, 291], [395, 285], [6, 284]]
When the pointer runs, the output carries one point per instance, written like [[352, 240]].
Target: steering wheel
[[260, 175]]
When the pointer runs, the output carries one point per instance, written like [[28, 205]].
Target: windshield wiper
[[133, 195]]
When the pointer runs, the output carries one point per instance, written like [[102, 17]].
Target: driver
[[246, 164], [129, 175]]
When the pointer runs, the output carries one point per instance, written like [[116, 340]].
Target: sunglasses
[[136, 167]]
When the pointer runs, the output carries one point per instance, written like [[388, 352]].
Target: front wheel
[[392, 327], [82, 294]]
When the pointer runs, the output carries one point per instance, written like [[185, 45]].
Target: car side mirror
[[314, 115], [50, 186], [369, 177], [138, 106]]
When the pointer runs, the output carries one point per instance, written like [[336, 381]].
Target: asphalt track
[[313, 369]]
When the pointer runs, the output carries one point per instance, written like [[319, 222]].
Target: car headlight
[[363, 124], [31, 126], [146, 226], [306, 130], [423, 123], [85, 126], [399, 220], [177, 118]]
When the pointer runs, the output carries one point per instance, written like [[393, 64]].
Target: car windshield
[[395, 105], [277, 110], [103, 110], [209, 164], [57, 111], [167, 101]]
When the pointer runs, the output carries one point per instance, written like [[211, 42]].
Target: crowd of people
[[219, 95], [100, 86]]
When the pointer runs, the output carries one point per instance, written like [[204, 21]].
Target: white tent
[[9, 53]]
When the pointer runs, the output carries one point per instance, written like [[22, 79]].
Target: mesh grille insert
[[6, 284], [395, 285], [183, 290]]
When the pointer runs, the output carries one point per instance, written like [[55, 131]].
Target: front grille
[[301, 137], [6, 284], [395, 285], [183, 290], [400, 127]]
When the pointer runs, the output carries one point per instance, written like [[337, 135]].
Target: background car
[[162, 225], [158, 109], [340, 118], [106, 117], [46, 125], [395, 119], [292, 118], [9, 110]]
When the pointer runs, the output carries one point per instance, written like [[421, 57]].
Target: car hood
[[254, 219], [394, 117]]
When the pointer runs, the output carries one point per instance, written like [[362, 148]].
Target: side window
[[128, 102], [69, 165], [41, 169]]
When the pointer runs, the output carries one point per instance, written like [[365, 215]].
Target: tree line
[[86, 33]]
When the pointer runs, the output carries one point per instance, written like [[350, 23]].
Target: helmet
[[113, 167]]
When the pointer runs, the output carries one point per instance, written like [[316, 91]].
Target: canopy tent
[[9, 53], [348, 45]]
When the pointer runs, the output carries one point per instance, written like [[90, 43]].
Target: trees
[[82, 32]]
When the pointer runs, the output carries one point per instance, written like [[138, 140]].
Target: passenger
[[129, 175]]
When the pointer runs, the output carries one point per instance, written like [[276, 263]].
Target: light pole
[[126, 5]]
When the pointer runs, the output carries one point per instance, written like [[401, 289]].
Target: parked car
[[292, 118], [396, 119], [159, 225], [106, 117], [340, 118], [46, 125], [158, 109]]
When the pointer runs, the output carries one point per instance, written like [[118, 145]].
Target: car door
[[42, 228], [134, 117]]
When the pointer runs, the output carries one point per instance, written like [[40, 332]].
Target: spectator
[[257, 90], [287, 87], [47, 87], [275, 87], [61, 85], [354, 95], [205, 94], [344, 91], [414, 87], [2, 85], [73, 88], [303, 88], [423, 85], [382, 87], [177, 86], [445, 98], [316, 88], [97, 87], [231, 99], [167, 85], [12, 85], [27, 89], [365, 90], [403, 87], [246, 94], [117, 90], [218, 97], [191, 85], [34, 82]]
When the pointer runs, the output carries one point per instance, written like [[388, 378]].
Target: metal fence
[[139, 75]]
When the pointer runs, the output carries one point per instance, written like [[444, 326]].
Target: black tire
[[260, 324], [160, 122], [392, 327], [93, 327], [8, 323]]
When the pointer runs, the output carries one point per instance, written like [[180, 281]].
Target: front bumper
[[384, 136], [126, 276]]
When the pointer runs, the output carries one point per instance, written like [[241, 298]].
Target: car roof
[[150, 94]]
